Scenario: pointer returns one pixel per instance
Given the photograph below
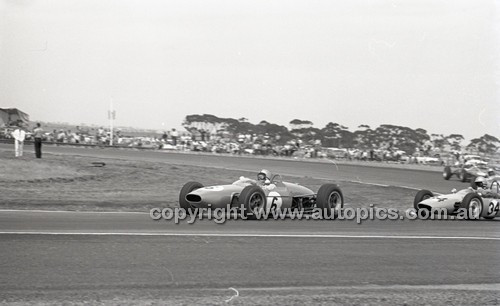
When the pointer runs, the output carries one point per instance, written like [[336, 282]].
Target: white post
[[111, 117]]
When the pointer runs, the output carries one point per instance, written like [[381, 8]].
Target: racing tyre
[[447, 173], [253, 199], [329, 199], [420, 196], [495, 186], [473, 205], [187, 188], [463, 176]]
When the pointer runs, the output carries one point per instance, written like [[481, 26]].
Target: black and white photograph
[[250, 152]]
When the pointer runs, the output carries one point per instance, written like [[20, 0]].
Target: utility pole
[[111, 117]]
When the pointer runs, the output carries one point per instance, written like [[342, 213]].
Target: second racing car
[[475, 203]]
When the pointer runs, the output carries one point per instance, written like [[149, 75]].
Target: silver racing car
[[474, 203], [269, 192]]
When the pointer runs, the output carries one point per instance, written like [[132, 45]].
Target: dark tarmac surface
[[127, 258], [96, 257]]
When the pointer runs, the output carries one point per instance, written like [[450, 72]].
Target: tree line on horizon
[[385, 136]]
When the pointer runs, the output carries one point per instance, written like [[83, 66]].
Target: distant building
[[13, 116], [298, 124], [209, 127]]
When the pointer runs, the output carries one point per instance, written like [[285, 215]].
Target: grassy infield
[[72, 183]]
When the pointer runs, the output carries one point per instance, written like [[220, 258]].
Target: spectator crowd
[[248, 144]]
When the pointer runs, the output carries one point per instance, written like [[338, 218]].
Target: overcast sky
[[422, 64]]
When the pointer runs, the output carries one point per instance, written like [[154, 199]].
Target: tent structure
[[13, 116]]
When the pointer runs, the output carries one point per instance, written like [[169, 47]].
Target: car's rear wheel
[[253, 199], [186, 189], [495, 186], [420, 196], [329, 199], [447, 173], [473, 205], [463, 176]]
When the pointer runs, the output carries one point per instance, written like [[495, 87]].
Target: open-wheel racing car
[[267, 193], [464, 173], [474, 203]]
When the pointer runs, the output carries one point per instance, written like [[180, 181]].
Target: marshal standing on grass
[[38, 135], [19, 135]]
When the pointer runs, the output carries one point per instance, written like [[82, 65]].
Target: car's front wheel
[[186, 189], [420, 196], [329, 199], [253, 199], [473, 205], [447, 173]]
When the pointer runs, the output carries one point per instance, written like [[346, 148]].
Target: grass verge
[[58, 182]]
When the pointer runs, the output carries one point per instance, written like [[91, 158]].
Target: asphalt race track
[[112, 258], [70, 254]]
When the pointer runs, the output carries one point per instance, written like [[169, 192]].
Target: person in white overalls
[[19, 135]]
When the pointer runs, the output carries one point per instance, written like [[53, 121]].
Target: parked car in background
[[336, 153], [428, 160]]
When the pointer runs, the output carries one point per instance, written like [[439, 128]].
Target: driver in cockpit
[[264, 179], [263, 176], [483, 190]]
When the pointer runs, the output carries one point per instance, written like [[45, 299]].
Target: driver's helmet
[[491, 172], [480, 182], [264, 175]]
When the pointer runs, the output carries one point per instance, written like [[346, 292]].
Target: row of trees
[[385, 136]]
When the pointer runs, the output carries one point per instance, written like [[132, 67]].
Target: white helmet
[[264, 175], [480, 182]]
